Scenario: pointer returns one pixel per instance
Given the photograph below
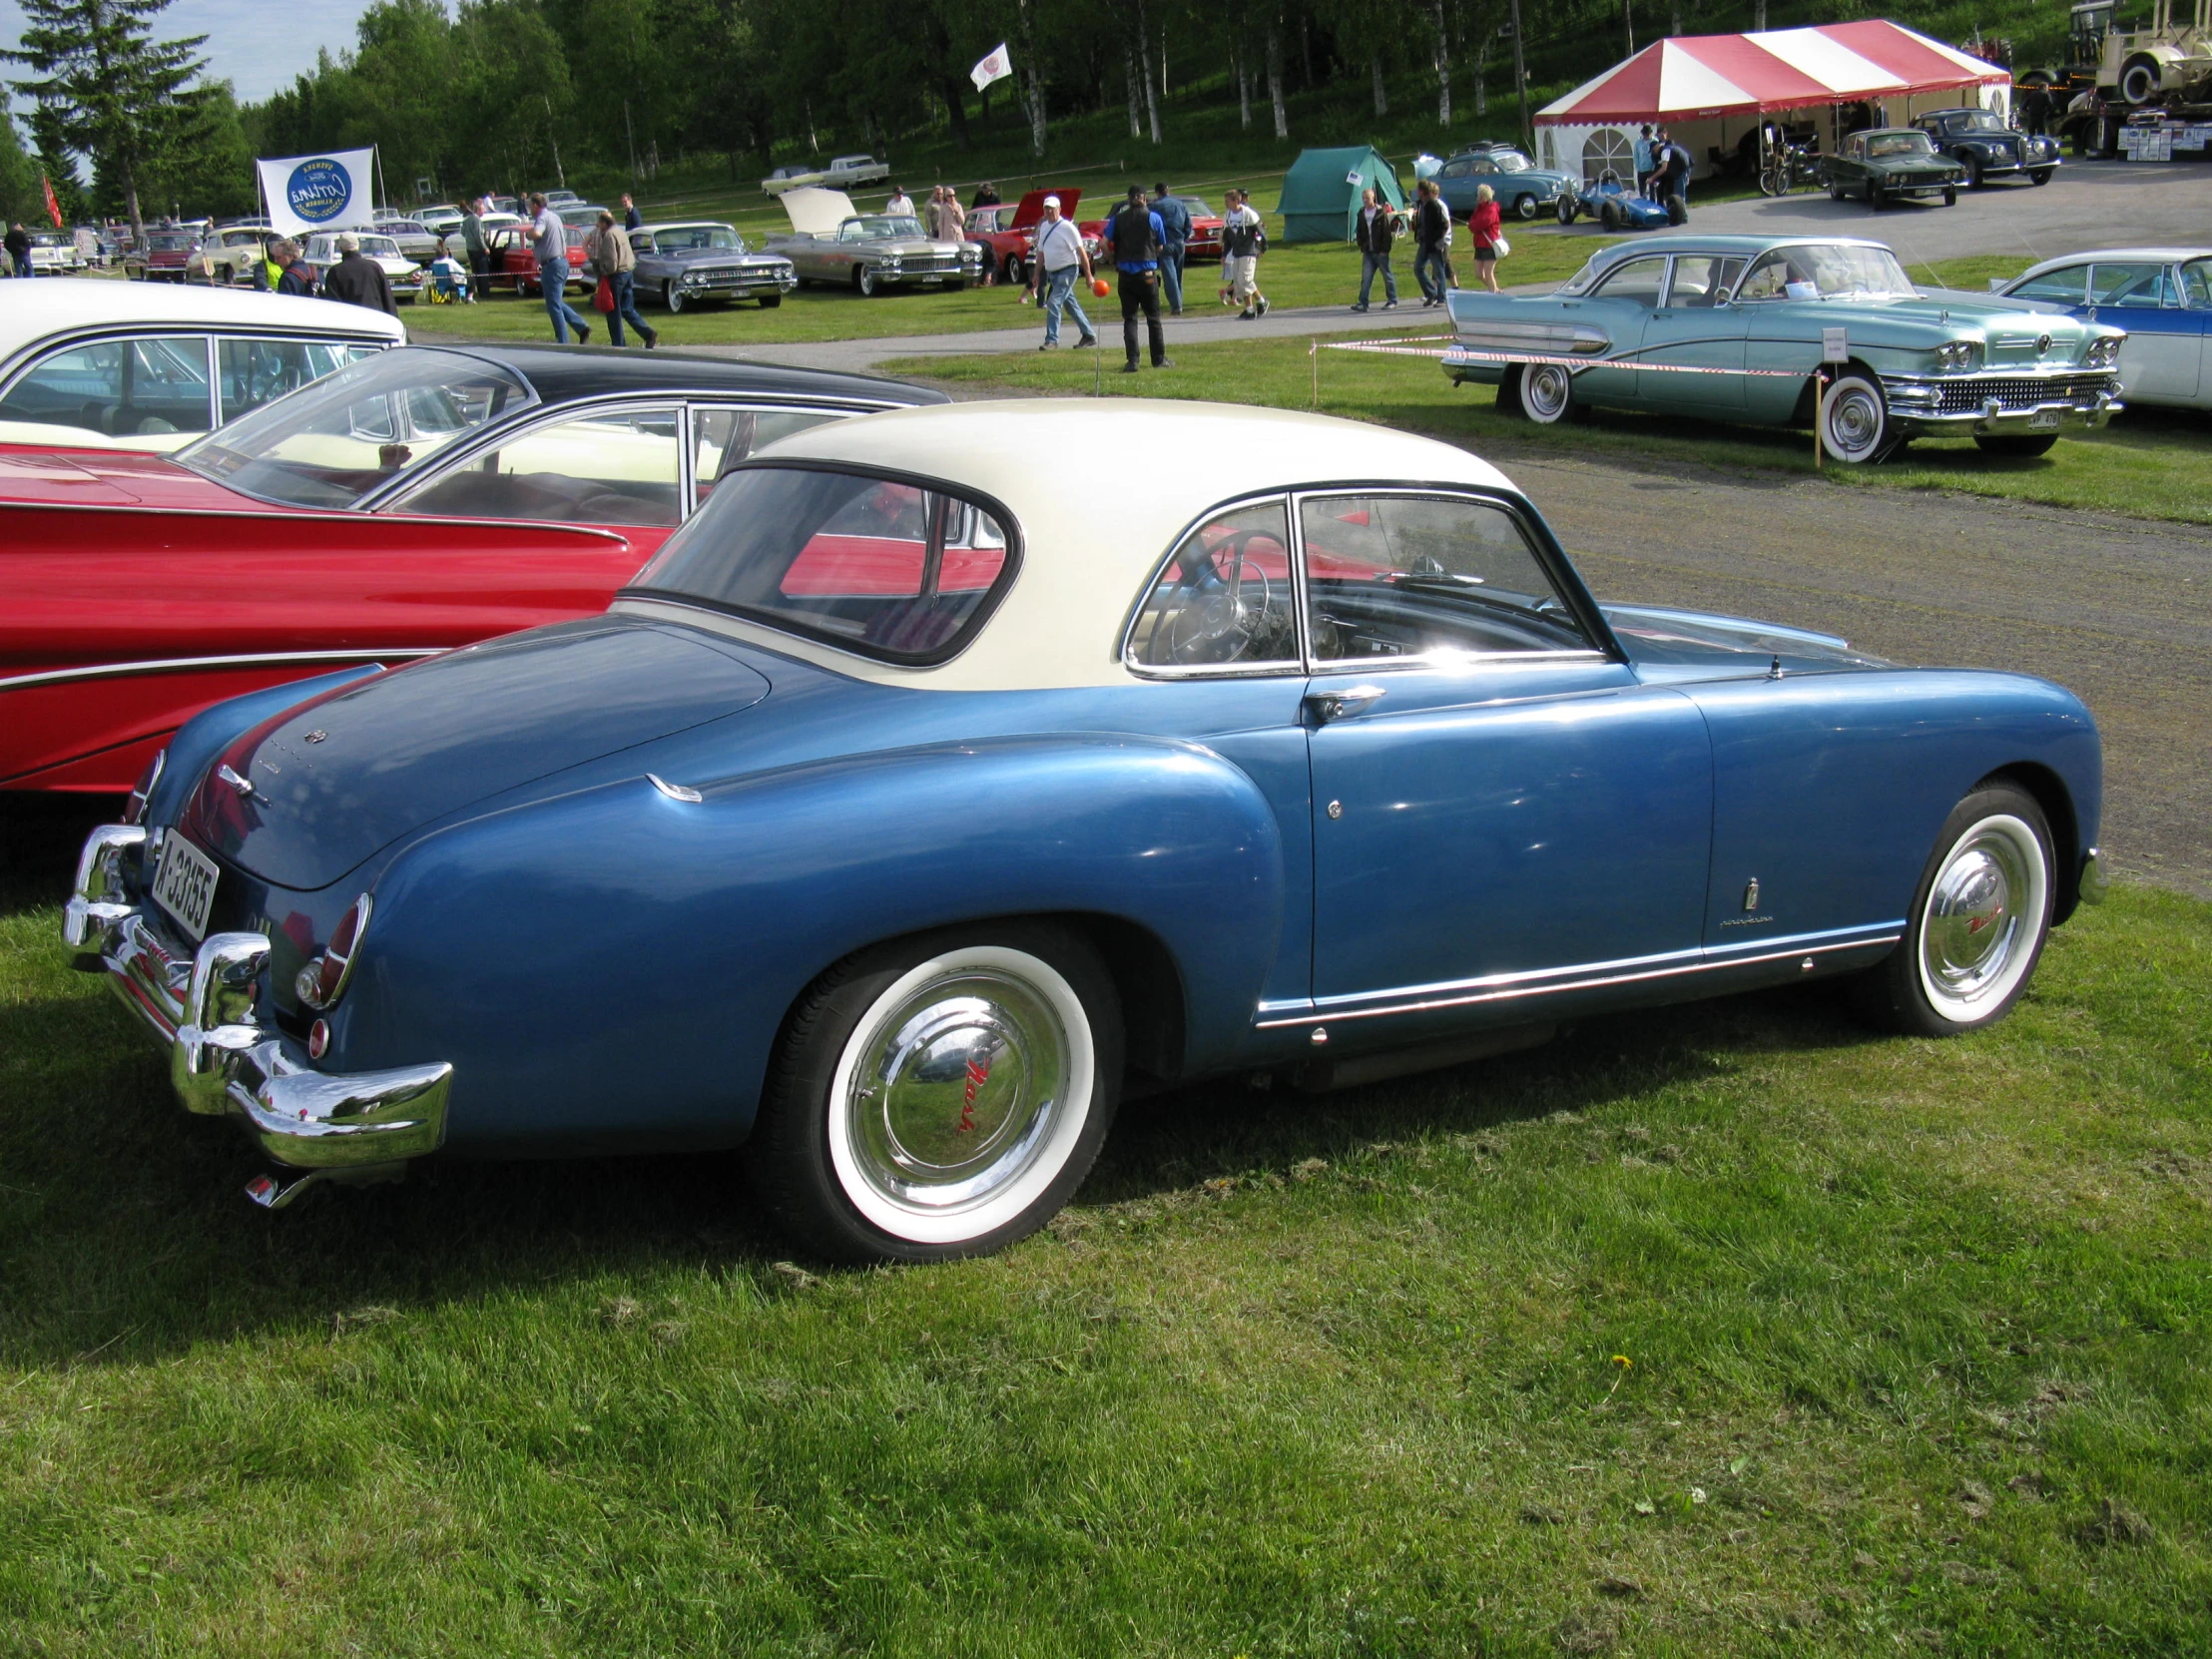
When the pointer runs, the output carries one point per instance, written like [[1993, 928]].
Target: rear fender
[[612, 967]]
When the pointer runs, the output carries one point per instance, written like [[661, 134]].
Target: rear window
[[892, 567]]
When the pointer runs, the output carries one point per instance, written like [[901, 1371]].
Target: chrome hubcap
[[1983, 914], [956, 1088], [1544, 391], [1854, 422]]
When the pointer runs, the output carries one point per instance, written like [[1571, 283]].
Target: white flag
[[997, 67], [332, 192]]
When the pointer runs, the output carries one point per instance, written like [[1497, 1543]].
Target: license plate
[[2043, 420], [931, 282], [184, 885]]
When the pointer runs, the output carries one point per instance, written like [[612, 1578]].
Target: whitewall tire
[[940, 1097], [1546, 393]]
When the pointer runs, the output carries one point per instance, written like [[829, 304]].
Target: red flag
[[53, 207]]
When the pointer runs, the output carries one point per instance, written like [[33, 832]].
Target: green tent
[[1322, 188]]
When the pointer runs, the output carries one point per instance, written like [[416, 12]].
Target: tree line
[[509, 92]]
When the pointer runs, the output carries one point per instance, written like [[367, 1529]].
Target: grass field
[[1714, 1330]]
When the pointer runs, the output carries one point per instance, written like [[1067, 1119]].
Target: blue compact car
[[1613, 204], [930, 787]]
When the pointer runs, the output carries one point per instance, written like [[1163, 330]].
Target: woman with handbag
[[1490, 237], [616, 265]]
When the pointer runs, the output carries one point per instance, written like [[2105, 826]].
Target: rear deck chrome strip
[[179, 664]]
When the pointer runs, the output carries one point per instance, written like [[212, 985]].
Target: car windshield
[[885, 567], [381, 248], [1195, 207], [881, 228], [1899, 144], [1827, 270], [1977, 121], [672, 239], [330, 444], [401, 228], [168, 242]]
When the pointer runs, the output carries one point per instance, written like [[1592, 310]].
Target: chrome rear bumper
[[223, 1059]]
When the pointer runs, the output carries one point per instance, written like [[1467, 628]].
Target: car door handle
[[1335, 705]]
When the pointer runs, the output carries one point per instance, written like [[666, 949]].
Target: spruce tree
[[109, 91]]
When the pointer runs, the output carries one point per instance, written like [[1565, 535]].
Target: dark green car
[[1891, 163]]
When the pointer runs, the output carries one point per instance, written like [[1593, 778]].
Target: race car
[[1612, 203]]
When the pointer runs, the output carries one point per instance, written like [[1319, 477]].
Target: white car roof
[[66, 304], [1101, 489], [2114, 256]]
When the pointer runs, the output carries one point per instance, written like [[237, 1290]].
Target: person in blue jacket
[[1175, 227]]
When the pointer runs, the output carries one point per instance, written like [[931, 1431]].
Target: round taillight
[[323, 981], [318, 1039]]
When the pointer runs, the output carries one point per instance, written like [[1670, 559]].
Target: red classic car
[[1009, 229], [515, 259], [1205, 242], [420, 499], [167, 259]]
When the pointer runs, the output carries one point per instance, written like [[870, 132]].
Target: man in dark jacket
[[292, 275], [358, 280], [1374, 230], [1175, 224], [17, 242], [1431, 228], [1133, 240], [631, 219]]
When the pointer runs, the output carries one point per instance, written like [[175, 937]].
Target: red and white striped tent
[[1709, 90]]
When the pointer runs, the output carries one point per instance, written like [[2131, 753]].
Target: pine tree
[[109, 91]]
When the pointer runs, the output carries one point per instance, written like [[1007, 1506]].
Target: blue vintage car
[[1521, 188], [911, 805], [1739, 327], [1613, 204]]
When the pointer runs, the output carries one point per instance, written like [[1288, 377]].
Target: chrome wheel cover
[[1984, 918], [960, 1094], [1852, 421], [1545, 393]]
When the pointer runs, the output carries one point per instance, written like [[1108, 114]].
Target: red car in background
[[420, 499], [515, 259], [1009, 230], [1205, 242], [166, 257]]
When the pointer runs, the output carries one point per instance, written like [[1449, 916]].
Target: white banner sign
[[334, 192], [997, 67]]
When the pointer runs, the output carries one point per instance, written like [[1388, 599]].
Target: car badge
[[316, 736], [2043, 343]]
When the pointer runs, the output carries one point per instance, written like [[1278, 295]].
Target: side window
[[120, 388], [252, 372], [1223, 597], [1636, 281], [1397, 576], [2127, 284], [2196, 283], [589, 469], [1771, 277], [1702, 279], [721, 438], [1457, 170], [2062, 286]]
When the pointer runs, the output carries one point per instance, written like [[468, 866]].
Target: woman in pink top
[[1483, 222]]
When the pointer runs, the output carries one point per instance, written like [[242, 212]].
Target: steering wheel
[[1220, 622]]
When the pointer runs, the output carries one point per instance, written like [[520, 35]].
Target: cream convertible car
[[930, 781]]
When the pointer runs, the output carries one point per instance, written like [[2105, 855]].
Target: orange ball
[[1098, 286]]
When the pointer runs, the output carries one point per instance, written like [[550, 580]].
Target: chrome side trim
[[181, 664], [1416, 999]]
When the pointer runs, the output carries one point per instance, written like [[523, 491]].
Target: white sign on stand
[[1835, 347]]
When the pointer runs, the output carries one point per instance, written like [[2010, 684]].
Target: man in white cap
[[1060, 260], [358, 280]]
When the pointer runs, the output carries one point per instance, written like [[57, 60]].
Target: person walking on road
[[612, 259], [1431, 229], [358, 280], [1242, 243], [1484, 227], [1061, 259], [1373, 230], [1134, 239], [1175, 221], [549, 236]]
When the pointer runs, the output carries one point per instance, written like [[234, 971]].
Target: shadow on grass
[[125, 1236]]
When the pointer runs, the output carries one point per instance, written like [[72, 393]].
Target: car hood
[[1940, 166], [1668, 644], [337, 779], [814, 211]]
